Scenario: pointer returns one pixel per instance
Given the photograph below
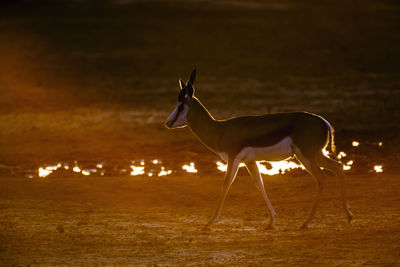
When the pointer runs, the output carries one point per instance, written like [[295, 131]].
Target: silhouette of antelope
[[270, 137]]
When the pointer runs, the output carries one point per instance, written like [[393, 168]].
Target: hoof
[[304, 227], [350, 218], [206, 228], [270, 227]]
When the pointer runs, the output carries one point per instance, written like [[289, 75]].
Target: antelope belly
[[277, 152]]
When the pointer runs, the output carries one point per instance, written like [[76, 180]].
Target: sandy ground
[[132, 220], [94, 83]]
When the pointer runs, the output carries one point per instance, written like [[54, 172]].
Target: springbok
[[270, 137]]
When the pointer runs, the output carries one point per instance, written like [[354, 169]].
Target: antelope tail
[[331, 138]]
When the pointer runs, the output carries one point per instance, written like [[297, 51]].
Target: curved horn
[[192, 76], [181, 84]]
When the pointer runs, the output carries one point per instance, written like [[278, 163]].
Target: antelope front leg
[[230, 175], [255, 173]]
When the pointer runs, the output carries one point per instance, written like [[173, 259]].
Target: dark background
[[339, 59], [88, 82]]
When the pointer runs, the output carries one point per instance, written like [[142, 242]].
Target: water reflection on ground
[[266, 168], [155, 167]]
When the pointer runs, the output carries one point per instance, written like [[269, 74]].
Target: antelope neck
[[202, 124]]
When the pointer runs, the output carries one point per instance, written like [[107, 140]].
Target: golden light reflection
[[45, 171], [189, 168], [221, 166], [138, 167], [380, 144], [378, 168], [355, 143], [277, 167], [341, 155], [137, 170], [347, 166], [164, 172], [89, 171], [53, 168]]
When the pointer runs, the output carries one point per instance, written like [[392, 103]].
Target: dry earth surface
[[93, 83], [132, 220]]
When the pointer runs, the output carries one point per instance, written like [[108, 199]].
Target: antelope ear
[[181, 84], [192, 76], [190, 90]]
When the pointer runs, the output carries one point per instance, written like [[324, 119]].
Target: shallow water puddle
[[156, 168]]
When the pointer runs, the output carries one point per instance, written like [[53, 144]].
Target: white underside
[[277, 152]]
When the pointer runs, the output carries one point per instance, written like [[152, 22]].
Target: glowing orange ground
[[139, 220]]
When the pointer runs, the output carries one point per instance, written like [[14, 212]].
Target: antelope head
[[177, 119]]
